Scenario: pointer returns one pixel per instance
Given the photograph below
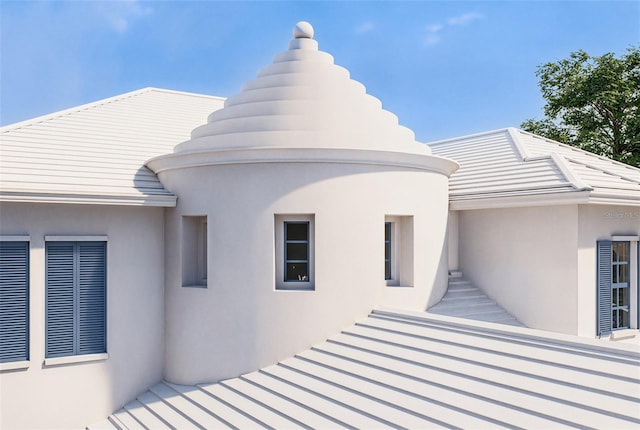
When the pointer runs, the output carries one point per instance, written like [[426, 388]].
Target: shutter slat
[[59, 299], [14, 301], [92, 302], [604, 287], [76, 298]]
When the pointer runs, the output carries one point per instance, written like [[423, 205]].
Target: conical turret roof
[[303, 100]]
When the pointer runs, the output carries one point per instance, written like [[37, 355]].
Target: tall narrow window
[[76, 290], [14, 301], [620, 280], [296, 249], [294, 240], [194, 251], [387, 250], [398, 250], [618, 276]]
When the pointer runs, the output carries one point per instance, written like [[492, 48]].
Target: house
[[547, 230], [161, 235]]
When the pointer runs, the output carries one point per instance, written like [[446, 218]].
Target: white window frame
[[634, 272], [402, 243], [279, 246], [83, 358]]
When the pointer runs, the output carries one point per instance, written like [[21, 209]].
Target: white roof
[[304, 100], [511, 167], [398, 369], [95, 153]]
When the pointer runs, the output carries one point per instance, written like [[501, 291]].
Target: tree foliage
[[593, 103]]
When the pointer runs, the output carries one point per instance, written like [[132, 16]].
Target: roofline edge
[[190, 159], [48, 116], [161, 201]]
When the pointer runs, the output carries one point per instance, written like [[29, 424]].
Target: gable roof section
[[95, 153], [511, 167]]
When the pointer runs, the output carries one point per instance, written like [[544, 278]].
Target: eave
[[152, 201]]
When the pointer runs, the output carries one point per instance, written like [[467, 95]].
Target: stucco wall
[[600, 222], [73, 395], [240, 322], [525, 259]]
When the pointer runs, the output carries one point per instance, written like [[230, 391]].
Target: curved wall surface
[[301, 142], [240, 321]]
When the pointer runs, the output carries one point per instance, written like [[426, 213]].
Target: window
[[617, 284], [194, 251], [620, 285], [388, 227], [76, 290], [294, 250], [398, 250], [14, 300]]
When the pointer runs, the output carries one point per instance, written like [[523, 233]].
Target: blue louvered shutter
[[604, 287], [14, 301], [60, 299], [92, 302]]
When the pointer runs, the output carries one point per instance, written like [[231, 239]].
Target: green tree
[[592, 103]]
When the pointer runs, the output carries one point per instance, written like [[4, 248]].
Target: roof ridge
[[609, 172], [580, 150], [566, 170], [101, 102], [483, 133]]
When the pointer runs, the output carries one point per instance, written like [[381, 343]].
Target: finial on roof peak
[[303, 30]]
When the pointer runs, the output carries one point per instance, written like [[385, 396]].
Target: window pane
[[623, 276], [623, 318], [387, 270], [297, 231], [297, 272], [623, 297], [614, 251], [387, 231], [624, 251], [297, 251]]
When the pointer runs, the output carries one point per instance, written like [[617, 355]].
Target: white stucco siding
[[241, 322], [71, 395], [526, 260], [600, 222]]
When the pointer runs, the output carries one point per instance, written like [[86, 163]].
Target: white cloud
[[434, 31], [365, 27], [465, 18], [434, 28], [121, 14]]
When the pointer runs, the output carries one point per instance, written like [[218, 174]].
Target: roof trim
[[88, 199], [101, 102], [561, 198], [578, 197], [182, 160]]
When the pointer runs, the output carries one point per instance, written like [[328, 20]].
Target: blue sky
[[445, 68]]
